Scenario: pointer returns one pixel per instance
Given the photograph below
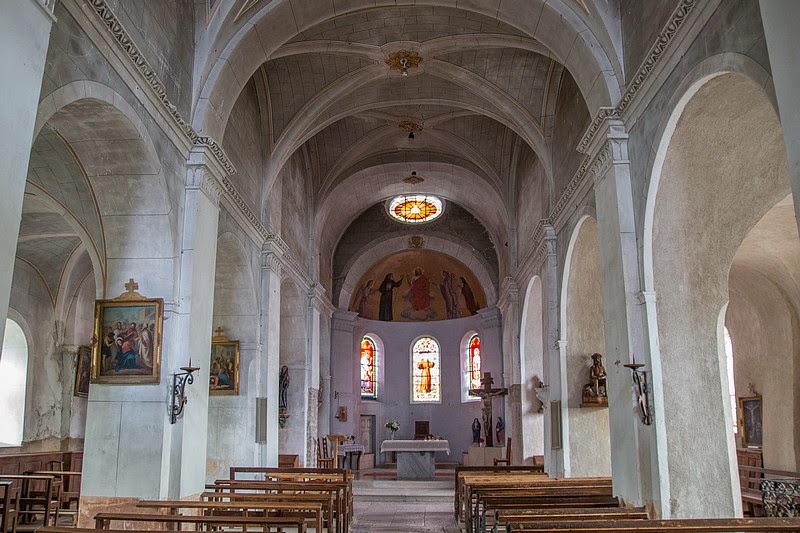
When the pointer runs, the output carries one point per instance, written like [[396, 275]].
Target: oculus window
[[415, 208]]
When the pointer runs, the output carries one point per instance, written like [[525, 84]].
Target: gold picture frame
[[83, 371], [224, 366], [127, 339], [750, 422]]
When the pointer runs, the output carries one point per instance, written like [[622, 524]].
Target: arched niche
[[582, 329], [721, 166], [531, 347]]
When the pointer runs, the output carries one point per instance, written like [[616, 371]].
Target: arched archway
[[724, 167]]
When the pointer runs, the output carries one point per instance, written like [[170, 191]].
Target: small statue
[[596, 391], [476, 431], [283, 386], [500, 431]]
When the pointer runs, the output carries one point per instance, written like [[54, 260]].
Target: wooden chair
[[507, 460], [323, 459]]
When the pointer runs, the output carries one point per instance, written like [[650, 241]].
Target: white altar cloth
[[415, 446]]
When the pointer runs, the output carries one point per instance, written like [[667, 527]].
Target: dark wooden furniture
[[204, 522], [507, 460], [9, 505], [39, 495], [323, 459], [422, 429], [693, 525]]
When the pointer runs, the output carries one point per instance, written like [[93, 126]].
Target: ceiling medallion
[[411, 127], [415, 208], [415, 241], [413, 179], [403, 60]]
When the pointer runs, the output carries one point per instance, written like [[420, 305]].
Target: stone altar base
[[416, 465]]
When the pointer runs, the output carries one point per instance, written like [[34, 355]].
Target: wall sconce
[[178, 393], [642, 390], [543, 395]]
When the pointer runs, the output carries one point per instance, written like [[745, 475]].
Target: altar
[[415, 458]]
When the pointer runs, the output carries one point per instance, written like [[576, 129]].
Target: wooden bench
[[686, 525], [70, 490], [337, 489], [750, 478], [327, 500], [103, 521], [522, 517], [491, 493], [461, 471]]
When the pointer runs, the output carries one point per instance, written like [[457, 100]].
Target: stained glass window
[[415, 208], [474, 363], [369, 383], [425, 371]]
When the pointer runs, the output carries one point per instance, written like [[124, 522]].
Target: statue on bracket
[[595, 393]]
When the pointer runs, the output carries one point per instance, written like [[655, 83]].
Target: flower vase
[[393, 435]]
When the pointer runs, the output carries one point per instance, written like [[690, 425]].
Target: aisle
[[403, 506]]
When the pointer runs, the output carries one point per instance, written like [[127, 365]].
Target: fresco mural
[[417, 286]]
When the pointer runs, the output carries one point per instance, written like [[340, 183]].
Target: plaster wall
[[165, 32], [295, 220], [244, 144], [571, 119], [451, 419], [641, 21], [763, 328], [589, 439], [533, 200], [78, 328]]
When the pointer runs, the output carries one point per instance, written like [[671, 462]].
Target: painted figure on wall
[[450, 295], [362, 298], [420, 292], [500, 431], [425, 365], [469, 298], [386, 289]]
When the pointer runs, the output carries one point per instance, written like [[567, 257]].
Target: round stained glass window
[[415, 208]]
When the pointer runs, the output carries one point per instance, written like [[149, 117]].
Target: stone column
[[509, 308], [313, 317], [24, 38], [553, 369], [184, 473], [780, 29], [633, 454], [269, 362]]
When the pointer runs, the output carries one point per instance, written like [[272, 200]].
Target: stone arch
[[582, 333], [121, 164], [376, 251], [532, 354], [720, 167]]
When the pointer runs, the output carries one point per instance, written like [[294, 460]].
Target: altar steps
[[390, 490]]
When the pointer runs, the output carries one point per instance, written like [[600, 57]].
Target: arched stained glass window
[[13, 379], [369, 382], [425, 371], [474, 363]]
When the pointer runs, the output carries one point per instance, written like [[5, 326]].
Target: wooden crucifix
[[486, 393]]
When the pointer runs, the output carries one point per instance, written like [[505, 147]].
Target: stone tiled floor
[[403, 506]]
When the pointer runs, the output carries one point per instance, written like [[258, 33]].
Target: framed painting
[[224, 369], [750, 422], [83, 371], [127, 332]]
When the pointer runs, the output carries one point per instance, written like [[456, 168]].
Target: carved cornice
[[244, 209], [344, 321], [492, 317], [659, 49], [199, 177], [573, 185], [601, 163], [140, 64]]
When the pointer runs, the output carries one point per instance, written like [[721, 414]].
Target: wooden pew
[[506, 470], [685, 525], [521, 517], [38, 495], [750, 478], [334, 488], [103, 521], [327, 500], [70, 490]]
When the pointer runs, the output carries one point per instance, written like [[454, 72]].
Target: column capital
[[204, 172], [491, 317], [609, 147], [272, 253], [646, 297], [344, 321]]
